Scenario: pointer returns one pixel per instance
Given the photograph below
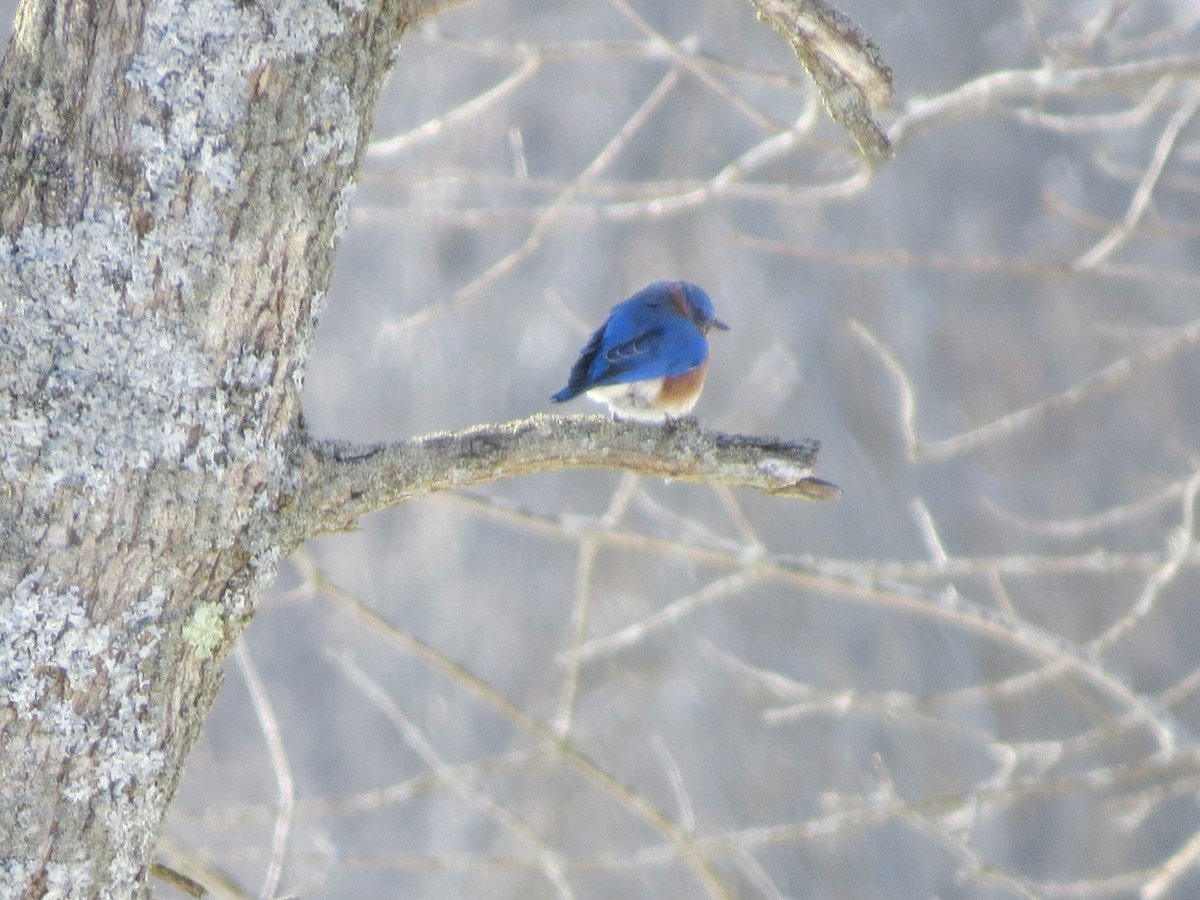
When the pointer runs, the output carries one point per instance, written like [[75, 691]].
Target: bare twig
[[907, 397], [1101, 380], [681, 846], [695, 66], [178, 880], [589, 547], [549, 859], [1172, 869], [731, 586], [1145, 189], [997, 87], [1179, 546], [1001, 266], [687, 813], [546, 219], [1081, 526], [269, 725], [462, 113], [1076, 123]]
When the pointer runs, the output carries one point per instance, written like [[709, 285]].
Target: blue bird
[[649, 358]]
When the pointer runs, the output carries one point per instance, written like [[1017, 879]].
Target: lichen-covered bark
[[173, 178]]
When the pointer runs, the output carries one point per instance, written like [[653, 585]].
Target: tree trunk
[[173, 180]]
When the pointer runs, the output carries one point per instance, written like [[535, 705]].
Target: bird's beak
[[718, 324]]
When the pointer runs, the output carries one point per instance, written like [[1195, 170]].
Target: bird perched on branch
[[649, 358]]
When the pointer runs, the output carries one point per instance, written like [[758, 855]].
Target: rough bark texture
[[174, 177], [844, 62], [340, 483]]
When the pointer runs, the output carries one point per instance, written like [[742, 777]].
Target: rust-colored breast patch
[[679, 393]]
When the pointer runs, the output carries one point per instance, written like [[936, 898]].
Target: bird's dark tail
[[578, 381]]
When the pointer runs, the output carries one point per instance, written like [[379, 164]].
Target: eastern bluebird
[[649, 358]]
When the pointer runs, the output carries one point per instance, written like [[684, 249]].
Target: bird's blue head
[[690, 301]]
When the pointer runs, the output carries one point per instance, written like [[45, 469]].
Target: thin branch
[[549, 859], [725, 553], [732, 586], [1101, 23], [1022, 566], [341, 483], [756, 874], [694, 66], [1179, 863], [366, 800], [395, 145], [533, 240], [681, 845], [1099, 381], [1077, 123], [997, 87], [589, 547], [1121, 514], [427, 9], [1176, 181], [687, 812], [197, 873], [1179, 546], [907, 398], [979, 265], [1145, 190], [177, 880], [621, 201], [284, 783], [752, 546]]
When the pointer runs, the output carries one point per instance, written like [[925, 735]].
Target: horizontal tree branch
[[340, 483]]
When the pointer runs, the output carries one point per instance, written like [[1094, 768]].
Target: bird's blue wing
[[670, 347]]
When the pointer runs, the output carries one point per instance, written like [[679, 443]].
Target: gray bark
[[174, 179]]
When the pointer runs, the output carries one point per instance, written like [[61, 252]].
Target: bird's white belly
[[633, 400]]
